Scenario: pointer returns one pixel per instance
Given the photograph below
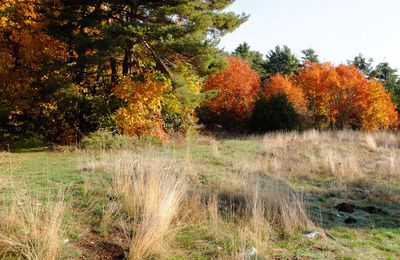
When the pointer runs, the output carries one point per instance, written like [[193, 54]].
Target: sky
[[337, 29]]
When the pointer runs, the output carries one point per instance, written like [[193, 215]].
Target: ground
[[347, 183]]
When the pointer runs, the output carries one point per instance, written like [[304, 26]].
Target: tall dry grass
[[30, 229], [152, 192], [344, 158], [273, 203]]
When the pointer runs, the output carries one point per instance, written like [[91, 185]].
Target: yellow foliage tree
[[380, 113], [142, 114]]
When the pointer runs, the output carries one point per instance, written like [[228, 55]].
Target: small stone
[[66, 241], [250, 253], [312, 235]]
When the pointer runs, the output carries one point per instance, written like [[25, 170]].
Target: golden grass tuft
[[152, 192], [31, 230], [273, 203]]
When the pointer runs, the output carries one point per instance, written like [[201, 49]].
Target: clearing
[[289, 195]]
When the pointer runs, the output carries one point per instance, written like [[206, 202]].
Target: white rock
[[312, 235], [249, 253]]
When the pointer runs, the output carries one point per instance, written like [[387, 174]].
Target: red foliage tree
[[238, 87], [283, 84]]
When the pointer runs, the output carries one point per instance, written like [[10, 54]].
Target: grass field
[[207, 198]]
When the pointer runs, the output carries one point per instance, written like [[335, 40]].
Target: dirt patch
[[373, 210], [350, 220], [96, 247], [345, 207], [228, 202]]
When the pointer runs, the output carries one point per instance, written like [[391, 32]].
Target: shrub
[[274, 114], [104, 139]]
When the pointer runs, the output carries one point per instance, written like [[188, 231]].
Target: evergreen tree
[[254, 57], [362, 63], [388, 76], [274, 114], [111, 39], [281, 60], [309, 56]]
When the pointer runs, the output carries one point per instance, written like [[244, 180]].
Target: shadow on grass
[[353, 210]]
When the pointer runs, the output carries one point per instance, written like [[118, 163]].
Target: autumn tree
[[341, 96], [283, 84], [237, 86], [30, 71], [141, 116], [380, 113], [255, 58], [110, 40]]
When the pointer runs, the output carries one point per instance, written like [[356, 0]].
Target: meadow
[[309, 195]]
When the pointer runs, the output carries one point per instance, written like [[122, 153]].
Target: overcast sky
[[337, 29]]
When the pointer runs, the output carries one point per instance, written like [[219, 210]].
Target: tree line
[[152, 68], [283, 92]]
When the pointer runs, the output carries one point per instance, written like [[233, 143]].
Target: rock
[[312, 235], [250, 253], [350, 220], [345, 207], [66, 241]]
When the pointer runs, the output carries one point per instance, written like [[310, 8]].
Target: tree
[[380, 112], [275, 113], [282, 61], [142, 114], [109, 40], [388, 76], [343, 97], [254, 57], [283, 84], [309, 56], [30, 72], [362, 63], [238, 86]]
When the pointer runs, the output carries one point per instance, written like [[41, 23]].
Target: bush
[[274, 114], [103, 139]]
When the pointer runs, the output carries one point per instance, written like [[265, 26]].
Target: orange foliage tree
[[381, 112], [141, 116], [341, 96], [25, 47], [238, 86], [29, 69], [283, 84]]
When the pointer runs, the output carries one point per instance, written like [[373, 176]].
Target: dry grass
[[31, 230], [155, 196], [273, 203], [341, 154], [152, 193], [345, 156]]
